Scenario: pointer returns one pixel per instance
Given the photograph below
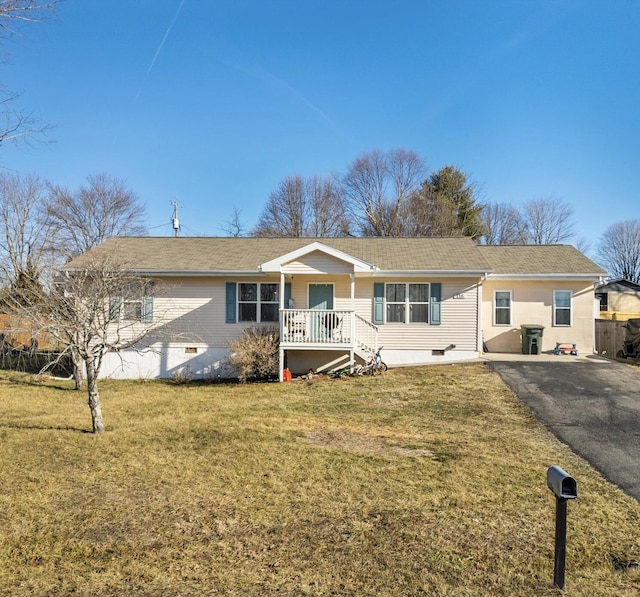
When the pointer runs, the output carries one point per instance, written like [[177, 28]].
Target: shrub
[[182, 376], [255, 354]]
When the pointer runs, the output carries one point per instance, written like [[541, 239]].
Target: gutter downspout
[[480, 332]]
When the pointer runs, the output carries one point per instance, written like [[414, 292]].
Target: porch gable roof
[[276, 265]]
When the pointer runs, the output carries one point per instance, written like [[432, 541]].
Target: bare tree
[[549, 221], [302, 207], [25, 235], [15, 12], [14, 124], [327, 208], [619, 250], [96, 306], [445, 205], [583, 244], [85, 218], [377, 188], [504, 225], [284, 214], [234, 226]]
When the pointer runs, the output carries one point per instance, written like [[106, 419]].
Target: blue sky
[[212, 103]]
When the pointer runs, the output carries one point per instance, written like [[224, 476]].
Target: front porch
[[326, 329]]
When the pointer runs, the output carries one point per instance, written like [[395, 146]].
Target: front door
[[321, 296]]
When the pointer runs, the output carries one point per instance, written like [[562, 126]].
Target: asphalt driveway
[[591, 404]]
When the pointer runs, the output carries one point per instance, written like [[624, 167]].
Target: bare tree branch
[[16, 126], [15, 12], [234, 226], [87, 217], [377, 188], [302, 207], [25, 235], [619, 250], [504, 225], [549, 221]]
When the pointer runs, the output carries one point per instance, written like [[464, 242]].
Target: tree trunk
[[78, 370], [94, 397]]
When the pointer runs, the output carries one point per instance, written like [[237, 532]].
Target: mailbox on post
[[561, 483], [565, 488]]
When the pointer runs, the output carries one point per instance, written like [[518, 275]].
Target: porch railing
[[316, 326], [366, 335]]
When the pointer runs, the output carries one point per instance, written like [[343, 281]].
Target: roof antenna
[[175, 221]]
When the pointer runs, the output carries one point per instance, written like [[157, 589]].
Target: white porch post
[[282, 305], [281, 364], [480, 334], [281, 350], [353, 322]]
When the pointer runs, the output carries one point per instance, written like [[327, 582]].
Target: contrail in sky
[[155, 57]]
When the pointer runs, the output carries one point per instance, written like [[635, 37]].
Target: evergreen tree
[[445, 205]]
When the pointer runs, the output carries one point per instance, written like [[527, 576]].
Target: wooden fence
[[610, 336], [16, 332]]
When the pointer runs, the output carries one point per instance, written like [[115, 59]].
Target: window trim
[[135, 303], [555, 309], [495, 308], [603, 300], [258, 302], [118, 306], [407, 304]]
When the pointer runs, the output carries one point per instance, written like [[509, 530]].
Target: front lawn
[[421, 481]]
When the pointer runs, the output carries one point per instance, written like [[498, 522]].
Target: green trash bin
[[531, 338]]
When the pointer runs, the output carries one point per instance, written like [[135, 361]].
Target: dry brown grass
[[422, 481]]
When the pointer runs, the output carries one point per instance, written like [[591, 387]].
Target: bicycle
[[375, 364]]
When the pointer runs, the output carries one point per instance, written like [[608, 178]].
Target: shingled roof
[[211, 255], [539, 259]]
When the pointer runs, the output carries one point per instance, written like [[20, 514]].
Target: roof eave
[[439, 273], [591, 277], [188, 273]]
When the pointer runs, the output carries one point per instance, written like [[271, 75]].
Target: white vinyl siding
[[192, 312], [459, 318], [317, 263]]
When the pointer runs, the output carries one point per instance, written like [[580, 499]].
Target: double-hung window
[[407, 303], [132, 308], [502, 304], [603, 297], [562, 307], [257, 302]]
